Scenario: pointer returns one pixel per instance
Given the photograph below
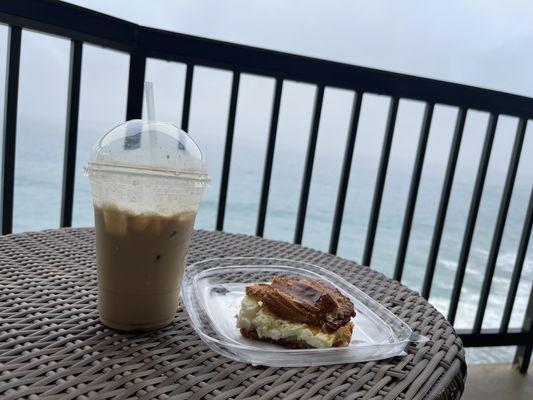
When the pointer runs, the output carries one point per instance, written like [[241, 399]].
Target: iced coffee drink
[[141, 260], [146, 179]]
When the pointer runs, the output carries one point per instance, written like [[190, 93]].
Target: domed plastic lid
[[149, 147]]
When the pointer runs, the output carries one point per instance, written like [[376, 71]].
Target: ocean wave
[[448, 264], [474, 269], [481, 251], [505, 263]]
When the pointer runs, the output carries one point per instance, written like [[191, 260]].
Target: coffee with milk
[[147, 179]]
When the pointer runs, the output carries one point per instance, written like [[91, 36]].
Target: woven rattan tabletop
[[52, 344]]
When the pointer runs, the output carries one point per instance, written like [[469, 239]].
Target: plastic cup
[[147, 179]]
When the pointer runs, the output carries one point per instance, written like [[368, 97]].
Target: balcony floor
[[497, 381]]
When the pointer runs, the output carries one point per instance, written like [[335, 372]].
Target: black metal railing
[[84, 26]]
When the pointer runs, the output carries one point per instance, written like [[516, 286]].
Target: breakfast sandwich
[[297, 313]]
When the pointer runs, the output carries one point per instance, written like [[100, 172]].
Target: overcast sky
[[485, 43]]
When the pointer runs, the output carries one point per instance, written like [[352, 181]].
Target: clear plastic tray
[[212, 291]]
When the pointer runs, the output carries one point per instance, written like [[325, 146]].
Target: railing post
[[226, 163], [187, 97], [413, 191], [518, 265], [308, 168], [380, 182], [345, 174], [10, 128], [523, 353], [472, 216], [71, 133], [443, 202], [269, 158], [137, 70], [500, 224]]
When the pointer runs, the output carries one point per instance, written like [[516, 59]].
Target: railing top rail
[[56, 17]]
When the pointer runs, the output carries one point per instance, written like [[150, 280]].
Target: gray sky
[[483, 43]]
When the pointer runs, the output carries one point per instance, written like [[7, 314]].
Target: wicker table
[[53, 346]]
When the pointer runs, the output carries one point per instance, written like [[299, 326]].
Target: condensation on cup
[[147, 178]]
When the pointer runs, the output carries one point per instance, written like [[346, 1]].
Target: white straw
[[149, 93], [150, 108]]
